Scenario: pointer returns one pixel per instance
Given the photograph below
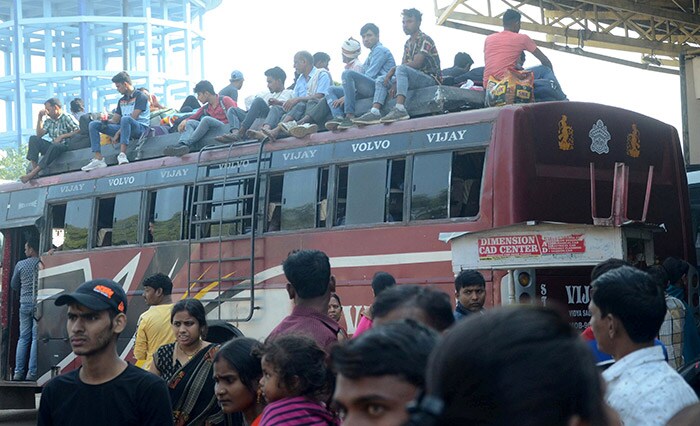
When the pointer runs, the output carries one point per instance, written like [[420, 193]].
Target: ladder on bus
[[223, 205]]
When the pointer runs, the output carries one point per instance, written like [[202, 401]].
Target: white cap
[[351, 48]]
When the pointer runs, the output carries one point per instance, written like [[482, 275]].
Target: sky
[[252, 36]]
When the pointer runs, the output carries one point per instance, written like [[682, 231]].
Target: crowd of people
[[311, 103], [417, 361]]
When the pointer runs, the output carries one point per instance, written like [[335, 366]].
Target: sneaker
[[30, 378], [395, 115], [18, 377], [345, 124], [121, 158], [303, 130], [94, 164], [286, 126], [177, 150], [367, 118], [333, 123]]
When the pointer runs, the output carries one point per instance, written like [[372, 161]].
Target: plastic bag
[[516, 87]]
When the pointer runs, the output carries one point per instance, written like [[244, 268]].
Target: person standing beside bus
[[24, 279], [105, 390], [420, 68], [153, 329], [470, 291], [52, 122], [131, 118]]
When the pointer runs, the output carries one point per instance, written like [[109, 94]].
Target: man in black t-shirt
[[105, 390]]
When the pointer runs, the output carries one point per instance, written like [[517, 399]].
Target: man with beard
[[105, 390]]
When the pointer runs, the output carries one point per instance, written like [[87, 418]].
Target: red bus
[[221, 221]]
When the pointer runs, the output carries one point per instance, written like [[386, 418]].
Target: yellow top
[[153, 331]]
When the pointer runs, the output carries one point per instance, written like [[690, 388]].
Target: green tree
[[13, 163]]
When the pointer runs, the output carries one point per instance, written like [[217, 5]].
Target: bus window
[[225, 211], [431, 177], [274, 204], [165, 214], [299, 199], [394, 201], [366, 192], [118, 220], [342, 196], [465, 184], [322, 198], [69, 224]]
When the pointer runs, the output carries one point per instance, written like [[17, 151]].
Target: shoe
[[121, 158], [255, 134], [94, 164], [395, 115], [303, 130], [18, 377], [30, 378], [286, 126], [177, 150], [333, 123], [367, 118], [228, 137], [345, 124]]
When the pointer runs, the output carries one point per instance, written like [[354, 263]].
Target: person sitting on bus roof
[[77, 108], [323, 111], [235, 84], [502, 50], [385, 369], [361, 84], [470, 291], [131, 118], [419, 68], [57, 126], [321, 60], [309, 89], [259, 106], [215, 116], [627, 309]]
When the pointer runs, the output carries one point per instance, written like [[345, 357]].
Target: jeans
[[335, 93], [49, 151], [297, 111], [274, 116], [258, 108], [410, 78], [127, 125], [196, 130], [26, 342], [356, 86], [546, 87]]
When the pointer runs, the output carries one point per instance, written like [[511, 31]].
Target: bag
[[516, 87]]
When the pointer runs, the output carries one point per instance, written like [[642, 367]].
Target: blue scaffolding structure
[[72, 48]]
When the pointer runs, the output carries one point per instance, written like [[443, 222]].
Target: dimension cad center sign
[[530, 245]]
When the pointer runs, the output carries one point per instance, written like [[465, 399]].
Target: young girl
[[295, 379]]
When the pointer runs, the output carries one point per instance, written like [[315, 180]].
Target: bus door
[[549, 263], [13, 252]]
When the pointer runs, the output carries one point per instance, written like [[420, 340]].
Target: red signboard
[[530, 245]]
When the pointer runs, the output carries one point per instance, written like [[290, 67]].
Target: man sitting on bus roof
[[216, 114], [131, 118], [502, 51], [309, 89], [419, 68], [57, 126], [259, 106]]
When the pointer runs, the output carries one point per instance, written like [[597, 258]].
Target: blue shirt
[[379, 62], [24, 278], [318, 82]]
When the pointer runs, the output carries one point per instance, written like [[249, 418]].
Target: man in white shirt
[[627, 309], [259, 107]]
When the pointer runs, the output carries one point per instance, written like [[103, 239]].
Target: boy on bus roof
[[419, 68], [215, 116], [57, 126], [131, 118]]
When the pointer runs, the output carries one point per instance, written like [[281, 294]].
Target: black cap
[[99, 295]]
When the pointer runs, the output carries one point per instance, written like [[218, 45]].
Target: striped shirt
[[297, 411], [24, 279], [60, 126]]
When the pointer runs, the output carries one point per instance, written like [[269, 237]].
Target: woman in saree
[[186, 366]]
